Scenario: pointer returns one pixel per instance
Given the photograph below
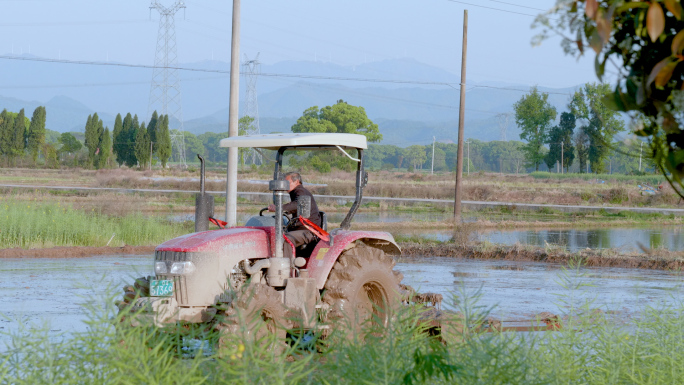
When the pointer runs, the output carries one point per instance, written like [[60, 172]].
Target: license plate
[[161, 288]]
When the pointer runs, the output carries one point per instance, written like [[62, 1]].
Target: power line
[[72, 23], [492, 8], [367, 80], [519, 90], [518, 5], [275, 75]]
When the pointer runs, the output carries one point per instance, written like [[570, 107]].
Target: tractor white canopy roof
[[275, 141]]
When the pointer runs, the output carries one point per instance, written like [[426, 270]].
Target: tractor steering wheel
[[286, 217]]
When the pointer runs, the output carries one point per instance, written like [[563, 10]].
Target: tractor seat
[[306, 249]]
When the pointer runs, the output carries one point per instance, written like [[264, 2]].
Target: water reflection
[[624, 239]]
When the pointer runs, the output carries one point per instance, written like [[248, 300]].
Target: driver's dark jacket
[[292, 208]]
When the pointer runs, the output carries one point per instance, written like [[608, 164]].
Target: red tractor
[[237, 277]]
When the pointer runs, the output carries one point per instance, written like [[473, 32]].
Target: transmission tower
[[165, 93], [503, 119], [251, 69]]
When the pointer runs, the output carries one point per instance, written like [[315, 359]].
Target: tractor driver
[[298, 234]]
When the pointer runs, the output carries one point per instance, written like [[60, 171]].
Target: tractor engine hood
[[213, 256]]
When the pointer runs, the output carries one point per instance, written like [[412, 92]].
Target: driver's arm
[[287, 208], [290, 207]]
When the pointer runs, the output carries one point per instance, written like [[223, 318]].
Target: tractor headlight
[[182, 268], [160, 268]]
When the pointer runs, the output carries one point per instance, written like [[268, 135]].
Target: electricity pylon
[[165, 93], [503, 119], [251, 69]]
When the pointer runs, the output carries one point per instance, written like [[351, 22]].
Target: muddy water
[[33, 291]]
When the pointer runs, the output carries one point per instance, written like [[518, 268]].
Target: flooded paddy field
[[35, 291], [621, 239]]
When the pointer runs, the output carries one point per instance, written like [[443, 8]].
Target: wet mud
[[74, 251], [658, 260]]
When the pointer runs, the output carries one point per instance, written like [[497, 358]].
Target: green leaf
[[630, 5], [599, 66]]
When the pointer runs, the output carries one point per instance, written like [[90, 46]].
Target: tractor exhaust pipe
[[204, 203]]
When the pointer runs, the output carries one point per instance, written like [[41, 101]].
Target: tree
[[163, 140], [118, 140], [416, 155], [152, 131], [338, 118], [36, 132], [6, 123], [588, 104], [69, 143], [581, 141], [560, 139], [105, 147], [126, 140], [244, 126], [92, 137], [644, 40], [534, 114], [142, 146], [18, 136], [193, 145], [212, 151]]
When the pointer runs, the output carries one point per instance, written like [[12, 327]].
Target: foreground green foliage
[[590, 348], [35, 224]]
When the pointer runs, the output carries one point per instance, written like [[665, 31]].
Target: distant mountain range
[[407, 113]]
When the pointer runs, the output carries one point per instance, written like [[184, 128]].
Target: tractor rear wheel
[[362, 288], [256, 315]]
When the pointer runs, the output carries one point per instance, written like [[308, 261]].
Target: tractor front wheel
[[256, 315], [362, 288]]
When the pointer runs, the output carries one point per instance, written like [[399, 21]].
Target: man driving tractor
[[297, 233]]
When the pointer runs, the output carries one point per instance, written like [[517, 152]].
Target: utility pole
[[231, 177], [432, 167], [151, 143], [562, 143], [461, 120]]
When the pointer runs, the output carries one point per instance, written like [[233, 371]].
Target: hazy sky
[[348, 32]]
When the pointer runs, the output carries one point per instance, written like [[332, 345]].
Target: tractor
[[237, 277]]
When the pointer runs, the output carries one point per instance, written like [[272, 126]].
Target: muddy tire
[[362, 288], [140, 288], [256, 315]]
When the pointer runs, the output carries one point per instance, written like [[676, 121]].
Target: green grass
[[33, 225], [590, 348]]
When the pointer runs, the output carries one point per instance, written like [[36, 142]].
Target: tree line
[[584, 133], [20, 135], [136, 144]]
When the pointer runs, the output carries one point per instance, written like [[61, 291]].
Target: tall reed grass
[[34, 224], [591, 348]]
